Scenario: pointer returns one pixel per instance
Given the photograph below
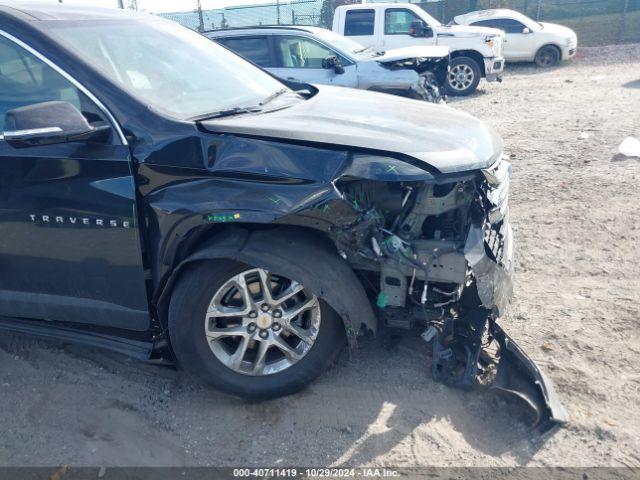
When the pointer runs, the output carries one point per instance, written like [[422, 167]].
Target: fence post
[[278, 10], [623, 21], [200, 18], [539, 8]]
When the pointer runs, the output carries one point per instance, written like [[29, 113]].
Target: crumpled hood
[[424, 51], [445, 138], [464, 31]]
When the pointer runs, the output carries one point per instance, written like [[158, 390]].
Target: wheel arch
[[293, 252], [473, 54]]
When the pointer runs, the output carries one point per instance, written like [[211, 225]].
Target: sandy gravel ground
[[576, 211]]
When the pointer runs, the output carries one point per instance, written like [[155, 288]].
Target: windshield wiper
[[226, 113], [273, 96]]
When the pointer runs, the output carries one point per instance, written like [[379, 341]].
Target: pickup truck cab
[[315, 55], [162, 196], [476, 52]]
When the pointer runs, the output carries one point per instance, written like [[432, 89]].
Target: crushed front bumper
[[518, 375], [460, 354]]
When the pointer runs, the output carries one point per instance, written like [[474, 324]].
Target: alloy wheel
[[259, 323], [461, 77]]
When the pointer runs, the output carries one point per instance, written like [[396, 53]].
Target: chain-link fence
[[597, 22], [295, 12]]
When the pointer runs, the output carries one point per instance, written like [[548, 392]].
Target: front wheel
[[251, 332], [464, 76], [548, 56]]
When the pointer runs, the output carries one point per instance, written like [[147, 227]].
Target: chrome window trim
[[68, 77]]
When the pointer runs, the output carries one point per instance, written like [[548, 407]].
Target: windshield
[[171, 68], [429, 20]]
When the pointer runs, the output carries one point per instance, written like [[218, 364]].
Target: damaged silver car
[[315, 55]]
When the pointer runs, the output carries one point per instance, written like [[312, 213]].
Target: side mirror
[[419, 29], [526, 30], [334, 63], [48, 123]]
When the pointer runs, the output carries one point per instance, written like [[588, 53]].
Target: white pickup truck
[[476, 52]]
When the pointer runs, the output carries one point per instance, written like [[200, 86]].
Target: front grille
[[494, 243]]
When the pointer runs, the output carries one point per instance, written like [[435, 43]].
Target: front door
[[301, 59], [69, 241], [403, 28]]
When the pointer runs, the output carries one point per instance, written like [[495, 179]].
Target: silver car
[[315, 55]]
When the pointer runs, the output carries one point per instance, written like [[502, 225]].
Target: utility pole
[[200, 17]]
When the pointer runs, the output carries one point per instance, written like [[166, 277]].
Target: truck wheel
[[548, 56], [250, 332], [464, 76]]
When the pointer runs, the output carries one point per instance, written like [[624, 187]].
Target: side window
[[508, 25], [301, 52], [485, 23], [399, 21], [359, 23], [255, 49], [25, 80]]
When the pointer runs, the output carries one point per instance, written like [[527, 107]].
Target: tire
[[548, 56], [463, 77], [208, 359]]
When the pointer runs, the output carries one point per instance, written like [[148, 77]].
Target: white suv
[[527, 40]]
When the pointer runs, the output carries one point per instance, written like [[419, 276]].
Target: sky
[[158, 6]]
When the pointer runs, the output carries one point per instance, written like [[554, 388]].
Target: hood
[[556, 29], [445, 138], [413, 52], [465, 31]]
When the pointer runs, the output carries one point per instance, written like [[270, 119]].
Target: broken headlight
[[386, 169]]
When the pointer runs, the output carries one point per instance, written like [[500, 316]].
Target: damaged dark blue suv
[[162, 197]]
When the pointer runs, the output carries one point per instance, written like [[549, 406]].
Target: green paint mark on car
[[223, 217]]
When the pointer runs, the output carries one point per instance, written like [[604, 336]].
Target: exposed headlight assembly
[[387, 169]]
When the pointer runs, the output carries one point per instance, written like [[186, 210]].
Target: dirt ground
[[576, 213]]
